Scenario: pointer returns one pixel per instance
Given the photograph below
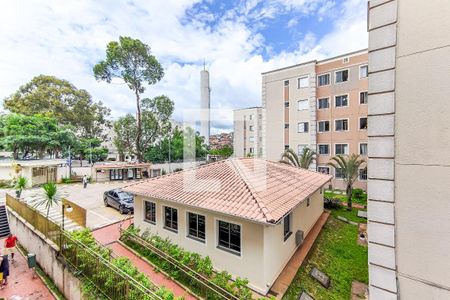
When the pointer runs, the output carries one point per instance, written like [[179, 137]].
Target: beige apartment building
[[409, 153], [247, 137], [321, 105]]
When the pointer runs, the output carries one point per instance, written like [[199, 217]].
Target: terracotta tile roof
[[249, 188]]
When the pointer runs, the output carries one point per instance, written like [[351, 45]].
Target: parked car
[[120, 200]]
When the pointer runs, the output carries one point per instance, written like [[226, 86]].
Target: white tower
[[205, 92]]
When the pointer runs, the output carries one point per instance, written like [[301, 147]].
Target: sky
[[237, 39]]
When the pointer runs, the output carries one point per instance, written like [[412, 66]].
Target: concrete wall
[[278, 252], [46, 256]]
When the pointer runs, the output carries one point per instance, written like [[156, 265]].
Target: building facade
[[409, 158], [321, 105], [247, 136]]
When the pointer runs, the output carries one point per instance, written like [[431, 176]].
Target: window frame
[[145, 212], [323, 74], [345, 152], [299, 79], [367, 72], [348, 125], [318, 126], [287, 234], [359, 123], [302, 100], [334, 174], [367, 148], [367, 97], [328, 168], [342, 106], [341, 70], [170, 229], [328, 103], [303, 147], [359, 174], [188, 234], [323, 144], [305, 127], [224, 248]]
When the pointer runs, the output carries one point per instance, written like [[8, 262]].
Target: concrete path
[[109, 235], [286, 276], [21, 284]]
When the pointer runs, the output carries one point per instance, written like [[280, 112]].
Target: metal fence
[[78, 214]]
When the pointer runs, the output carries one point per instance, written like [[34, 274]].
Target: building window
[[363, 71], [116, 174], [251, 138], [287, 227], [260, 116], [286, 147], [323, 103], [363, 149], [341, 125], [150, 212], [286, 82], [303, 127], [324, 149], [286, 125], [362, 174], [363, 123], [171, 218], [251, 150], [324, 170], [341, 76], [308, 202], [340, 149], [250, 117], [196, 226], [363, 97], [250, 128], [324, 126], [300, 148], [286, 104], [302, 104], [230, 237], [323, 79], [303, 82], [341, 101], [338, 174]]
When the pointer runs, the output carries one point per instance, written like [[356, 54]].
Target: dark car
[[120, 200]]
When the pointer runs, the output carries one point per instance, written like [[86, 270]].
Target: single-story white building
[[36, 172], [248, 215], [120, 171]]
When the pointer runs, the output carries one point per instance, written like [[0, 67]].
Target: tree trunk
[[349, 196], [138, 127]]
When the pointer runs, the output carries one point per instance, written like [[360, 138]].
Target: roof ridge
[[262, 207]]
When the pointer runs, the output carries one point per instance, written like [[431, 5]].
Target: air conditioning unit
[[299, 237]]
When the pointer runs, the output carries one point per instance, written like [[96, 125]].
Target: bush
[[5, 184], [66, 180], [359, 196], [331, 203]]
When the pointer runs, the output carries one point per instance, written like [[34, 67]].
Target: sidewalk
[[109, 236], [21, 284]]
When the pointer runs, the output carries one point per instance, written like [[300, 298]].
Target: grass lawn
[[337, 254], [343, 197], [349, 215]]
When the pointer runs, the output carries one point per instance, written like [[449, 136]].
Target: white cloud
[[66, 38]]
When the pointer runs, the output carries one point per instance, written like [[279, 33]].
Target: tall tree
[[60, 99], [124, 135], [131, 61], [303, 160], [349, 168]]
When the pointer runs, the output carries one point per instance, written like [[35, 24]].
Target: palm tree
[[21, 183], [303, 160], [51, 196], [349, 166]]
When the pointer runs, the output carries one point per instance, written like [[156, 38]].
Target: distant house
[[36, 172], [248, 215], [123, 171]]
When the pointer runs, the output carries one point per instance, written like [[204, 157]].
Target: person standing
[[4, 269], [10, 245], [85, 181]]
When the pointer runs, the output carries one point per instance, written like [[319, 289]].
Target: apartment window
[[286, 104], [303, 82], [341, 101], [300, 148], [260, 116], [324, 126], [324, 170], [250, 128], [286, 125], [363, 149], [362, 123], [196, 226], [302, 104], [324, 149], [362, 174], [230, 237], [363, 71], [150, 212], [251, 150], [345, 60], [286, 147], [171, 218], [251, 139], [323, 103], [341, 149], [286, 82], [287, 227], [323, 79], [338, 174], [250, 117], [303, 127], [341, 76], [341, 125], [363, 97]]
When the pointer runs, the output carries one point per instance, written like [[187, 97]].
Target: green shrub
[[66, 180], [5, 184]]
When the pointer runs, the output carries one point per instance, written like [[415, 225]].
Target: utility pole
[[90, 153], [70, 164], [170, 141]]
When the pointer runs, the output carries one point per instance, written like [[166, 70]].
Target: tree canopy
[[131, 61], [225, 151], [58, 98], [303, 160]]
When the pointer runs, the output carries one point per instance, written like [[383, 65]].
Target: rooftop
[[249, 188]]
